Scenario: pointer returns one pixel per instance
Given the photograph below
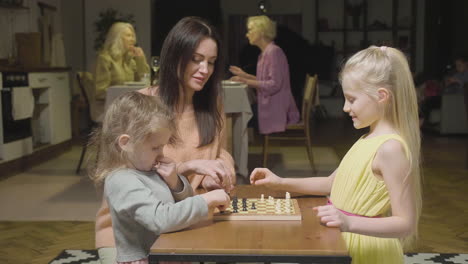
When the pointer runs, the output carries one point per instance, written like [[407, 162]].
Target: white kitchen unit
[[55, 118], [50, 123]]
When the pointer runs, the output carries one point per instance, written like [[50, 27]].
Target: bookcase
[[352, 25]]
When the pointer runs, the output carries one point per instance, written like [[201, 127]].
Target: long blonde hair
[[387, 67], [134, 114], [114, 44]]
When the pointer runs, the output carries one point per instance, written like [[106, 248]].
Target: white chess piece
[[288, 196], [262, 197]]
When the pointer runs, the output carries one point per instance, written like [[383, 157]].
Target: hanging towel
[[22, 101], [57, 57]]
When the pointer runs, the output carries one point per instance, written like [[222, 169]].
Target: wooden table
[[256, 241]]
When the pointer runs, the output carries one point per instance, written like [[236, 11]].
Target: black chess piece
[[253, 206]]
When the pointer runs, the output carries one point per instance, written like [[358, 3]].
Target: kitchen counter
[[18, 68]]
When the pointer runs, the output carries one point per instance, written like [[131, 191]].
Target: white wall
[[141, 10], [73, 34]]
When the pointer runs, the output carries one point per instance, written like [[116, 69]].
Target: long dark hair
[[177, 51]]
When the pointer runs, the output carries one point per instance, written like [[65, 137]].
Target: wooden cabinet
[[352, 25]]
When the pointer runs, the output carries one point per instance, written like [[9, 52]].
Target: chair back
[[86, 84], [310, 95]]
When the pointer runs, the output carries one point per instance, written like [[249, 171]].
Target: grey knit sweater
[[142, 207]]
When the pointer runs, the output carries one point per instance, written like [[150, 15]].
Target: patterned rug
[[71, 256]]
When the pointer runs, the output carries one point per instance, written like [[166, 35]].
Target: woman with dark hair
[[189, 84]]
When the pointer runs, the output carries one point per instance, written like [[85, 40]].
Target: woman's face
[[128, 38], [253, 34], [201, 66]]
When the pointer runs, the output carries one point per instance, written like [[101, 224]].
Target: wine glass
[[155, 63]]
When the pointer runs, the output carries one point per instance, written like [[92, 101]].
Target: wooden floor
[[442, 227]]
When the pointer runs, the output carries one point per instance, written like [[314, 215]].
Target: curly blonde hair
[[134, 114], [264, 25]]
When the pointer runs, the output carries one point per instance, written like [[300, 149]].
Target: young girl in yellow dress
[[375, 193]]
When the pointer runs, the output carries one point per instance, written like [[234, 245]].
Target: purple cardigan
[[276, 106]]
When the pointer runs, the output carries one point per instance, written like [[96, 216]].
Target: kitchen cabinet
[[52, 96]]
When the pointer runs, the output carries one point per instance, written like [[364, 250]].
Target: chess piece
[[288, 196]]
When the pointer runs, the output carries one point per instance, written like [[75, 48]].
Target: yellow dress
[[356, 190]]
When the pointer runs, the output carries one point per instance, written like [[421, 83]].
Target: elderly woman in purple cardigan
[[276, 106]]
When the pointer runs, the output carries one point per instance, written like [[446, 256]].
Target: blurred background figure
[[119, 60], [275, 104]]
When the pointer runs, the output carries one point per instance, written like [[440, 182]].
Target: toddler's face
[[145, 155]]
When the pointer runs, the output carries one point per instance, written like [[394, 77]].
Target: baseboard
[[45, 153]]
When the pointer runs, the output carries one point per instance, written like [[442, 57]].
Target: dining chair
[[86, 85], [300, 131]]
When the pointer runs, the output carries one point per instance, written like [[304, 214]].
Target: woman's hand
[[263, 176], [167, 169], [332, 217], [219, 176], [236, 70], [237, 79], [136, 51]]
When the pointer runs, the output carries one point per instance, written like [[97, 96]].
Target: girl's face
[[253, 34], [363, 109], [200, 68], [128, 38], [146, 154]]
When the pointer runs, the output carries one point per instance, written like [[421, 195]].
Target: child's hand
[[263, 176], [217, 199], [167, 169], [332, 217]]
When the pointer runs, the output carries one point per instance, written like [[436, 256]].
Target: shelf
[[13, 7], [378, 24], [331, 30]]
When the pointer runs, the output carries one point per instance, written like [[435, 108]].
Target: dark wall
[[166, 13], [446, 27]]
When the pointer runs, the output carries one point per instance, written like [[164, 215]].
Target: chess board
[[264, 210]]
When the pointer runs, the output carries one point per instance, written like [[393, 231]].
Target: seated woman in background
[[276, 105], [119, 60]]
